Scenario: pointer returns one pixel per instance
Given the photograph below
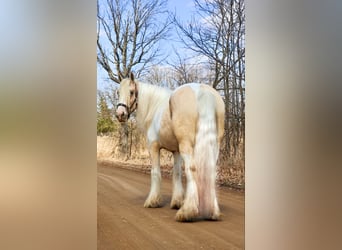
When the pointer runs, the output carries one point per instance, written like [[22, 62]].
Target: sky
[[184, 9]]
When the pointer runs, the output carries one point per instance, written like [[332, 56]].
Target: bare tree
[[177, 73], [219, 35], [161, 75], [128, 34], [184, 70]]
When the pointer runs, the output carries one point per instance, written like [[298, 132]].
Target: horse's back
[[187, 96]]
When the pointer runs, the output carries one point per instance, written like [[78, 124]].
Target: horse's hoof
[[176, 204], [216, 216], [153, 202], [186, 215]]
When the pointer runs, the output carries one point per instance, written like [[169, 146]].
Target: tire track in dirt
[[123, 222]]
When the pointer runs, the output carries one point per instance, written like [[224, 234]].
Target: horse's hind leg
[[154, 198], [189, 209], [177, 191]]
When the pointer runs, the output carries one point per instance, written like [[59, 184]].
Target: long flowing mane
[[151, 99]]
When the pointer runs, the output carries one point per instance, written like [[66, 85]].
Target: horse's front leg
[[154, 198], [177, 191]]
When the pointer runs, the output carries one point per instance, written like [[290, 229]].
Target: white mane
[[151, 98]]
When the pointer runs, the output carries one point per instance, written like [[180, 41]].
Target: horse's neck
[[151, 100]]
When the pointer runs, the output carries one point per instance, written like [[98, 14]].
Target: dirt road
[[123, 222]]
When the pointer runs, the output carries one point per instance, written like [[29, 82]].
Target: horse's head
[[128, 98]]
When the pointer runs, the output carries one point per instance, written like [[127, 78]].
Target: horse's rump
[[195, 119]]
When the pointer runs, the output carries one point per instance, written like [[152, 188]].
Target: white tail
[[206, 153]]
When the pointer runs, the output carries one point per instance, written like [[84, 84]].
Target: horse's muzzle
[[122, 116]]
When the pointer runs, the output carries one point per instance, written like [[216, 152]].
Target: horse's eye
[[131, 92]]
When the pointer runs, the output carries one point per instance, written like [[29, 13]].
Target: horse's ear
[[120, 78], [131, 76]]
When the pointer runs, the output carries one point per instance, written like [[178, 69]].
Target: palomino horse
[[188, 122]]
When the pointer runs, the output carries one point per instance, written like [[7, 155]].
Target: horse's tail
[[206, 152]]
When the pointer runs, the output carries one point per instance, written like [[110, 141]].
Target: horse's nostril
[[120, 116]]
